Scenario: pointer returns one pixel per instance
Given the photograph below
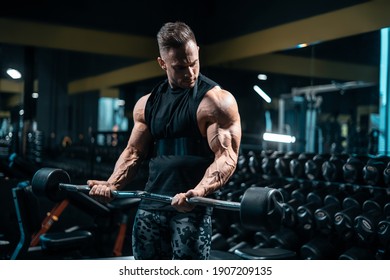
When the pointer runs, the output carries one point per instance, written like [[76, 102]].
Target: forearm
[[218, 173], [125, 168]]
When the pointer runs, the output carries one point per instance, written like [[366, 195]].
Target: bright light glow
[[35, 95], [21, 112], [281, 138], [262, 77], [303, 45], [13, 73], [384, 91], [262, 94], [120, 102]]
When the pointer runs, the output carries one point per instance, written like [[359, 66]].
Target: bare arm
[[130, 159], [223, 130], [219, 120]]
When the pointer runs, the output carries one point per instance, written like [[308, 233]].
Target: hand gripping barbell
[[259, 206]]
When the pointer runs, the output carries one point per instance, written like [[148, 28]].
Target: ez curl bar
[[259, 206]]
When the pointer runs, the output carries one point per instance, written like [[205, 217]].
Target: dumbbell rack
[[326, 217]]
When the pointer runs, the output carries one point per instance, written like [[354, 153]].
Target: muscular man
[[192, 129]]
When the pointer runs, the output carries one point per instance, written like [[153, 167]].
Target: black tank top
[[181, 154]]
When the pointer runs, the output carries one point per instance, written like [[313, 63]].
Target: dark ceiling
[[212, 20], [246, 35]]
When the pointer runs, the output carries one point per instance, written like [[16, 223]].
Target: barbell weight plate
[[261, 207], [46, 180]]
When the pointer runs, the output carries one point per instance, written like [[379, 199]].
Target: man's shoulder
[[217, 94], [142, 101], [139, 108]]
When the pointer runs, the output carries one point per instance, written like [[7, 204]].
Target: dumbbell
[[238, 191], [290, 212], [386, 175], [324, 216], [258, 205], [235, 181], [305, 212], [357, 253], [332, 169], [230, 192], [240, 238], [297, 165], [297, 198], [222, 193], [233, 184], [384, 228], [219, 242], [282, 164], [266, 153], [285, 238], [261, 238], [374, 169], [287, 189], [301, 192], [242, 164], [268, 163], [254, 163], [318, 248], [313, 167], [344, 219], [366, 224], [235, 237], [353, 169]]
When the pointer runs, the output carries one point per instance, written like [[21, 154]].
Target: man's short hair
[[174, 35]]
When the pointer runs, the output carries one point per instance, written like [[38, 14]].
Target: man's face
[[181, 65]]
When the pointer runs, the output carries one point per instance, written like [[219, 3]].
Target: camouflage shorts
[[171, 235]]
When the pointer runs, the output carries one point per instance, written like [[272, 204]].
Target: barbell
[[259, 206]]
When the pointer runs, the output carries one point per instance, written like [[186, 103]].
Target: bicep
[[224, 140], [224, 130], [140, 137]]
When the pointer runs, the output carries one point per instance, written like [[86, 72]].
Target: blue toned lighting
[[280, 138], [384, 92], [262, 94]]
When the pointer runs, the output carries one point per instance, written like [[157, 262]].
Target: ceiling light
[[303, 45], [262, 94], [13, 73], [262, 77], [35, 95], [281, 138]]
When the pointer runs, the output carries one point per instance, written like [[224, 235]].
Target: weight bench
[[36, 242], [53, 245]]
